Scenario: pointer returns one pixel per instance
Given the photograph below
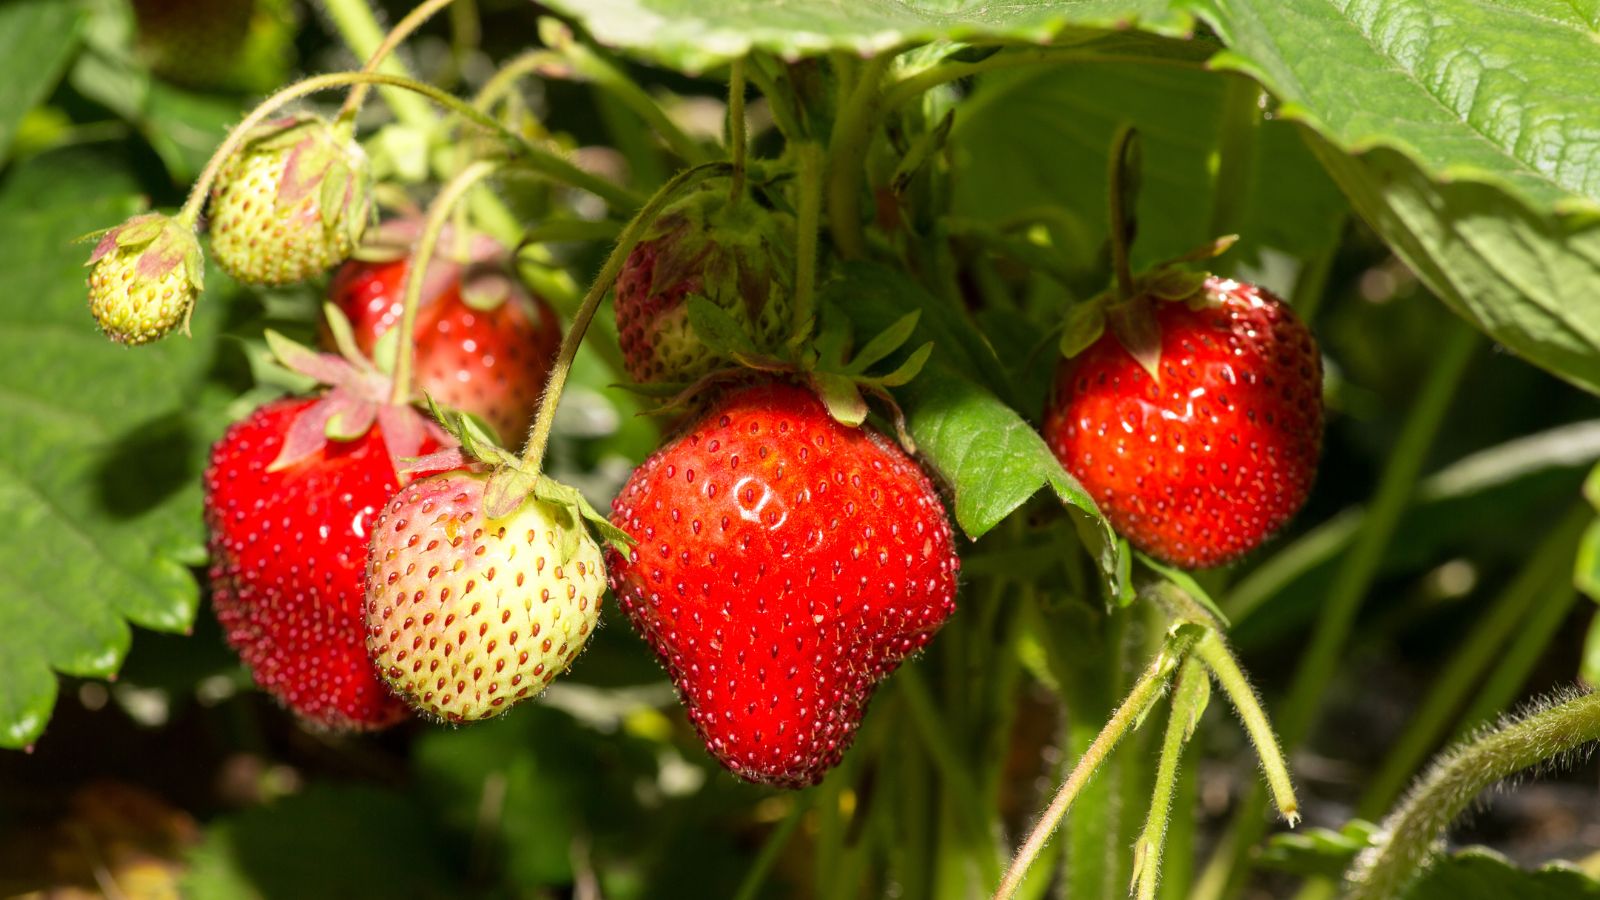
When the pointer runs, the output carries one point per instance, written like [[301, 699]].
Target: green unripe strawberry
[[468, 614], [145, 276], [736, 255], [291, 204]]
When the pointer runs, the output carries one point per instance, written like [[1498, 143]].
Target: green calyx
[[291, 176], [146, 274], [739, 256], [511, 483], [1131, 318]]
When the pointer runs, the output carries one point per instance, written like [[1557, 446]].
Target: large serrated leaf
[[37, 38], [100, 451], [1473, 128], [1495, 92], [694, 35]]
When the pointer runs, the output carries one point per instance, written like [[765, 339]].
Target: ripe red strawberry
[[466, 613], [1201, 467], [785, 565], [483, 344], [291, 494], [736, 256]]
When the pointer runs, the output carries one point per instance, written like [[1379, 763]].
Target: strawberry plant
[[1083, 449]]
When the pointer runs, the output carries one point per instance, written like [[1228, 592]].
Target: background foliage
[[1396, 169]]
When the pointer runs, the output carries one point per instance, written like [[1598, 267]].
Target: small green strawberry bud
[[291, 204], [145, 276]]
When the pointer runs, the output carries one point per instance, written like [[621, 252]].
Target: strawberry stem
[[806, 232], [736, 130], [1213, 651], [847, 151], [1188, 702], [539, 436], [534, 157], [402, 30], [1146, 691], [1408, 837], [438, 216], [1122, 179]]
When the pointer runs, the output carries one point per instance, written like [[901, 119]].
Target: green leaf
[[884, 343], [695, 35], [841, 396], [718, 330], [1472, 127], [37, 38], [1586, 570], [1186, 582], [101, 450], [1478, 873], [1527, 280], [1319, 852], [326, 842], [1496, 93], [1031, 145]]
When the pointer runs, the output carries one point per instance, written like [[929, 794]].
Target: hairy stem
[[526, 153], [402, 30], [1351, 582], [1407, 838], [438, 216], [1188, 702], [847, 152], [539, 436], [1146, 691], [1213, 650], [361, 32], [1464, 672]]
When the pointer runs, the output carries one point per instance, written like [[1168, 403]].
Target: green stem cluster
[[539, 436]]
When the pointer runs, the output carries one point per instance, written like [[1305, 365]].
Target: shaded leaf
[[101, 453], [694, 35]]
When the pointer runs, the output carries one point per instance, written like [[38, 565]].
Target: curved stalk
[[438, 216], [1408, 836], [402, 30], [533, 156], [539, 435]]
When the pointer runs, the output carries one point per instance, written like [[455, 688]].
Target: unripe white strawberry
[[292, 203], [146, 275], [468, 614]]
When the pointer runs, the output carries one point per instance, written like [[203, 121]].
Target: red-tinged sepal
[[358, 397], [146, 275]]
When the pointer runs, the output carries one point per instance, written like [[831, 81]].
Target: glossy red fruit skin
[[288, 562], [1203, 467], [785, 565], [491, 363]]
